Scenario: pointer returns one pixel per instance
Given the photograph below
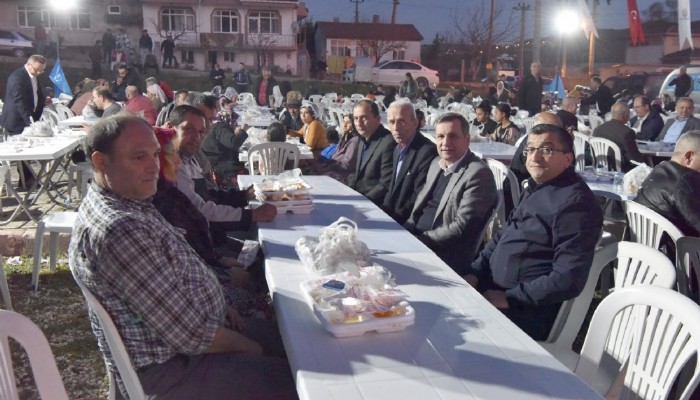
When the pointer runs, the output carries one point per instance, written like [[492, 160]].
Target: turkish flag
[[636, 30]]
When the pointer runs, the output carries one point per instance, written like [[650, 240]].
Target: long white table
[[495, 150], [460, 347], [50, 150]]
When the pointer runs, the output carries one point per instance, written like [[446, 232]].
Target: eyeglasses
[[545, 151]]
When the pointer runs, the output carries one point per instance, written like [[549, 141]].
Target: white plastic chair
[[50, 116], [647, 227], [500, 173], [116, 349], [580, 141], [601, 147], [4, 288], [664, 338], [595, 121], [356, 97], [63, 111], [84, 173], [529, 123], [31, 338], [272, 157], [4, 178], [56, 223], [277, 94], [688, 263], [636, 264], [316, 98], [246, 98]]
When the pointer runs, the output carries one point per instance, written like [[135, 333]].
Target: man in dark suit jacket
[[530, 91], [684, 121], [651, 122], [412, 157], [24, 102], [372, 175], [622, 135], [567, 114], [602, 97], [24, 98], [458, 198]]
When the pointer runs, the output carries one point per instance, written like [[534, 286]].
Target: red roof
[[368, 31]]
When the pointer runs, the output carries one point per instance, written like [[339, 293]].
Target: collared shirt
[[638, 124], [402, 150], [35, 87], [674, 131], [161, 296], [451, 169]]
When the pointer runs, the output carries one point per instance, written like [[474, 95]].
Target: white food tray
[[368, 323]]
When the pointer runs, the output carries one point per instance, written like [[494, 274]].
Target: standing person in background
[[263, 87], [242, 79], [530, 92], [409, 87], [602, 97], [168, 50], [217, 76], [145, 46], [122, 41], [683, 83], [95, 56], [40, 38], [108, 44]]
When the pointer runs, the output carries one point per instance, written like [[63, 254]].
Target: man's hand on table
[[264, 213], [497, 298]]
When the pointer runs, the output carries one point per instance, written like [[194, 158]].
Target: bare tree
[[261, 43], [377, 48], [471, 30], [163, 33]]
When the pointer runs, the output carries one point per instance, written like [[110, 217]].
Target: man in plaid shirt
[[168, 307]]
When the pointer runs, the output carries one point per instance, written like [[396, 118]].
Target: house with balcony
[[227, 32]]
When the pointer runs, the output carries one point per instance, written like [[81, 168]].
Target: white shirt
[[35, 86]]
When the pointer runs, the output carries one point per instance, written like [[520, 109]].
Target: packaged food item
[[336, 249]]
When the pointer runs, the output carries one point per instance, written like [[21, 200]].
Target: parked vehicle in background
[[694, 73], [15, 43], [394, 71], [637, 83]]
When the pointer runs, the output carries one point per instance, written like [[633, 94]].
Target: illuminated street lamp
[[567, 22], [61, 6]]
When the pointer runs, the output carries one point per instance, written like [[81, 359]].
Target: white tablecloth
[[495, 150], [459, 348]]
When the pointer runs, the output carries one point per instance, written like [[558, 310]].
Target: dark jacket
[[625, 138], [543, 255], [530, 94], [221, 146], [372, 175], [217, 77], [673, 191], [268, 92], [490, 126], [651, 127], [684, 85], [145, 42], [19, 102], [603, 98], [290, 122], [132, 78], [568, 119], [406, 185]]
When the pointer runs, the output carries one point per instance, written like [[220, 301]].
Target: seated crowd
[[153, 240]]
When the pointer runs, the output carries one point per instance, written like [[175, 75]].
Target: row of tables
[[460, 347]]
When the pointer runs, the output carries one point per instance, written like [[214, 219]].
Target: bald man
[[622, 135], [140, 105], [517, 165], [673, 187], [567, 114]]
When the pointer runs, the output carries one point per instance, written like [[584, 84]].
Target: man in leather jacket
[[673, 187]]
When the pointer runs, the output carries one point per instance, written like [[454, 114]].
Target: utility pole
[[394, 11], [537, 33], [357, 9], [489, 45], [522, 7], [591, 41]]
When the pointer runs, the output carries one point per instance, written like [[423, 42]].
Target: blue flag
[[59, 80], [557, 86]]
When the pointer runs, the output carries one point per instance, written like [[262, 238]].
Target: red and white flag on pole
[[636, 30], [586, 19], [684, 32]]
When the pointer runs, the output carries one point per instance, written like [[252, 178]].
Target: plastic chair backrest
[[277, 94], [500, 173], [63, 111], [4, 288], [647, 226], [636, 264], [595, 121], [273, 157], [316, 98], [529, 123], [688, 264], [246, 98], [50, 116], [580, 141], [357, 96], [116, 348], [601, 148], [32, 339], [662, 343]]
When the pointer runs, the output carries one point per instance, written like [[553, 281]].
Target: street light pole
[[567, 22], [522, 7]]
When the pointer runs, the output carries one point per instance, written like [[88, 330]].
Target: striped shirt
[[161, 296]]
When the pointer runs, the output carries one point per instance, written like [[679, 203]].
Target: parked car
[[694, 73], [394, 71], [15, 43], [637, 83]]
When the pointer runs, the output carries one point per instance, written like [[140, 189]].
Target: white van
[[694, 73]]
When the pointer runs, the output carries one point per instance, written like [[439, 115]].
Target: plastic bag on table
[[337, 248], [633, 179]]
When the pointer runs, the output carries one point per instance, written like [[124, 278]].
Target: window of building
[[187, 56], [225, 21], [177, 19], [28, 16], [80, 19], [115, 10], [399, 54], [229, 56], [264, 22], [342, 47]]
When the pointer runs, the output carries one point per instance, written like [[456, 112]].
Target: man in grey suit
[[684, 121], [458, 197], [412, 157], [372, 175], [622, 135]]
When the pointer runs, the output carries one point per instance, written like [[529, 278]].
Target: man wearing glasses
[[543, 255]]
